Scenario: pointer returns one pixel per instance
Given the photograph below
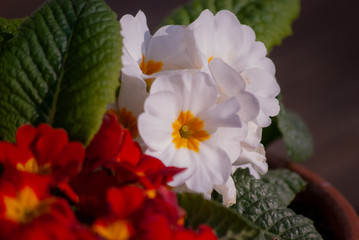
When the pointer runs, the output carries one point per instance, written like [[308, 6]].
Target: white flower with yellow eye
[[146, 57], [222, 36], [184, 127]]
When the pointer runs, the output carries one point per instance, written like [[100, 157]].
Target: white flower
[[222, 36], [146, 57], [184, 127]]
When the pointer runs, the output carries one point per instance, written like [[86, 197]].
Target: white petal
[[255, 157], [222, 115], [249, 38], [261, 83], [254, 136], [156, 133], [132, 94], [181, 158], [136, 35], [232, 84], [214, 168], [155, 124], [203, 29], [169, 45], [270, 106], [228, 35], [228, 191], [228, 139], [196, 92]]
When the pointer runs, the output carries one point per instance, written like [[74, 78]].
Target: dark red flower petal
[[107, 143], [125, 200]]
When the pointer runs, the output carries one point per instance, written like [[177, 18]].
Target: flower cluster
[[52, 188], [197, 97]]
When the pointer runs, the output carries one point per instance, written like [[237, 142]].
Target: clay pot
[[332, 214]]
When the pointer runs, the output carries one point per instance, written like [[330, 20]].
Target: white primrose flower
[[222, 36], [184, 127], [146, 57]]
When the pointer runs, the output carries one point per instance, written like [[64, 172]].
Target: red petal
[[125, 200], [107, 142], [25, 135], [50, 145]]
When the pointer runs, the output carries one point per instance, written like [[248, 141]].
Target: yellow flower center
[[127, 120], [210, 59], [32, 166], [151, 194], [188, 131], [150, 67], [117, 230], [25, 206]]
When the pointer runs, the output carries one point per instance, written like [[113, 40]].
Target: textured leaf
[[11, 25], [296, 135], [260, 204], [285, 184], [9, 28], [270, 19], [226, 223], [61, 68]]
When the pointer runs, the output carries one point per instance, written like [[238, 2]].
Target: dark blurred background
[[317, 69]]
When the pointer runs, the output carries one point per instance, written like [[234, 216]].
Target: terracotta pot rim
[[345, 220]]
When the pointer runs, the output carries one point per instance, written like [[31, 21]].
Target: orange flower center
[[25, 206], [117, 230], [148, 68], [32, 166], [188, 131], [127, 120]]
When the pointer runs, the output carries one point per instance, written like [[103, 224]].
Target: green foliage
[[227, 224], [296, 135], [62, 68], [270, 19], [9, 28], [285, 184], [261, 204], [271, 133]]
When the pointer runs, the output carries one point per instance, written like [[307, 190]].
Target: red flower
[[111, 144], [28, 211], [43, 150], [91, 188]]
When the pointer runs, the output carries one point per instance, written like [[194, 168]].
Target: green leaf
[[61, 68], [296, 135], [270, 19], [9, 28], [271, 133], [260, 204], [285, 184], [226, 223]]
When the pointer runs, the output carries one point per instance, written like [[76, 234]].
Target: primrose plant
[[109, 132]]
